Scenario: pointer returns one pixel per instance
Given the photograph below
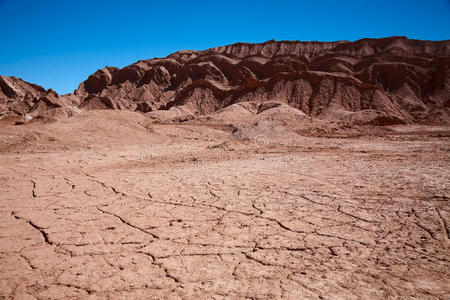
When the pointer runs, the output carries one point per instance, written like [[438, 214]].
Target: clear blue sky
[[59, 43]]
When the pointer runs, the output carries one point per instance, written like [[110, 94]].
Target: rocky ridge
[[384, 81]]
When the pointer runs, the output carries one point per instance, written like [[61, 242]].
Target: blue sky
[[59, 43]]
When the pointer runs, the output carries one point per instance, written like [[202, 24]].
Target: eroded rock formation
[[396, 80]]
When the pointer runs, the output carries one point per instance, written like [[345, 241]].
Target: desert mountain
[[391, 80], [21, 101]]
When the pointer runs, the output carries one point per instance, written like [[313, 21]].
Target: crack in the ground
[[39, 229], [33, 189], [444, 224], [128, 223], [427, 230], [339, 209]]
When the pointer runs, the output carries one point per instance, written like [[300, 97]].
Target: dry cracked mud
[[327, 218]]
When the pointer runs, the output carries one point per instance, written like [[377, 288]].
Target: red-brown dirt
[[107, 204], [240, 172]]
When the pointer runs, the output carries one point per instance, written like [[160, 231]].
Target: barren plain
[[131, 209]]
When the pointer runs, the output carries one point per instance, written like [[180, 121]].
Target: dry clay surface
[[200, 216]]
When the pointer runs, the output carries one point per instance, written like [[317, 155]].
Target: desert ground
[[109, 205]]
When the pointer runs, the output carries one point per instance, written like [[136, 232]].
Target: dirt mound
[[89, 130], [403, 80], [251, 112], [265, 133]]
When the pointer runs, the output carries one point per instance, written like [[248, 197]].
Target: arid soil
[[292, 170], [108, 205]]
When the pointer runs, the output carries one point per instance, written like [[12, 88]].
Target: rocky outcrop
[[17, 97], [21, 101], [396, 80]]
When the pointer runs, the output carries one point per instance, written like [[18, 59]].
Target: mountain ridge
[[402, 80]]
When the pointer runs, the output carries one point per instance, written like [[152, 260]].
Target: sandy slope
[[106, 204]]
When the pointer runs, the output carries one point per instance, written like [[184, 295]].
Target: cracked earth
[[328, 218]]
